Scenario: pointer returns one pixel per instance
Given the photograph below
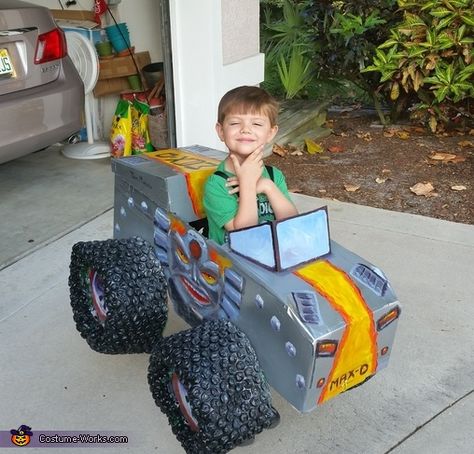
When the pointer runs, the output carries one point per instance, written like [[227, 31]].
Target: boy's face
[[243, 133]]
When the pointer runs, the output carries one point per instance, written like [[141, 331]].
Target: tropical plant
[[345, 35], [350, 25], [295, 75], [428, 61], [286, 41]]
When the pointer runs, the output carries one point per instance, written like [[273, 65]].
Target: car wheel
[[208, 382], [118, 295]]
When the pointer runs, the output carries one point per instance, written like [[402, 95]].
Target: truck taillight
[[326, 347], [388, 318], [50, 46]]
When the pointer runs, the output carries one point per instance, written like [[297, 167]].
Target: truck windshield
[[280, 245]]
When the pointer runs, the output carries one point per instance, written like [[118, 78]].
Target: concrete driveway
[[422, 403]]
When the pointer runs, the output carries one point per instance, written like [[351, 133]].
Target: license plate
[[6, 66]]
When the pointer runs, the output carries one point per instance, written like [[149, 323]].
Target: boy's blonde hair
[[247, 99]]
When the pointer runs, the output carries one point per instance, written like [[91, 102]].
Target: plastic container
[[120, 44], [115, 27], [104, 48], [118, 36], [153, 73], [135, 82]]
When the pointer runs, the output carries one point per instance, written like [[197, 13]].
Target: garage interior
[[49, 195]]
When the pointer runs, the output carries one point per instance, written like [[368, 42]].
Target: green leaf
[[296, 74], [431, 37], [412, 20], [388, 43], [387, 76], [381, 56], [370, 68], [469, 20], [461, 31], [443, 23], [465, 86], [432, 80], [450, 73], [445, 42], [441, 94], [426, 6], [465, 73], [457, 3], [416, 51], [440, 12]]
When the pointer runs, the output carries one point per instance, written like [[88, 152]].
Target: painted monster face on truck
[[194, 278]]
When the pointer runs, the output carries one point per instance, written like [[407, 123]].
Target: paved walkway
[[422, 403]]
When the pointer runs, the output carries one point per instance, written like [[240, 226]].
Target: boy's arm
[[282, 207], [248, 173]]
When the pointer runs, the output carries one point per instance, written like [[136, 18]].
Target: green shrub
[[286, 42], [334, 41], [427, 62]]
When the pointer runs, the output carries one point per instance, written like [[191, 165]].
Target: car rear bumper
[[36, 118]]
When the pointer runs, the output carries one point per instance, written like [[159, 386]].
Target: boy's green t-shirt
[[221, 207]]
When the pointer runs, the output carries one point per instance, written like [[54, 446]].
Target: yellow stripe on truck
[[196, 170], [356, 356]]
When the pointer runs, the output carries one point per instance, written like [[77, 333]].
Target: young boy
[[242, 192]]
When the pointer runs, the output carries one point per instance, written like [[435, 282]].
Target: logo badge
[[21, 436]]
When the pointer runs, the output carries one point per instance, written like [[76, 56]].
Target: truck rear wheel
[[208, 382], [118, 295]]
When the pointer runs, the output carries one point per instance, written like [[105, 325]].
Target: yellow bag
[[121, 131], [140, 135]]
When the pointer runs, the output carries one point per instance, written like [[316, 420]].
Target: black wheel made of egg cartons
[[208, 382], [118, 295]]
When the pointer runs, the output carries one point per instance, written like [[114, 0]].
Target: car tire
[[208, 382], [118, 295]]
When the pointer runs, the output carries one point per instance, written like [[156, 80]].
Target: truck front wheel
[[118, 295], [208, 382]]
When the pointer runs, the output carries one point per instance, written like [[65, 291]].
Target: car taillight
[[388, 318], [50, 46]]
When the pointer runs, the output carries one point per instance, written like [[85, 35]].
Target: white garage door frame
[[214, 47]]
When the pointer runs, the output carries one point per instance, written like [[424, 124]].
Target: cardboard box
[[111, 86], [74, 18], [111, 68]]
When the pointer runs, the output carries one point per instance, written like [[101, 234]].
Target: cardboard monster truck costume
[[279, 304]]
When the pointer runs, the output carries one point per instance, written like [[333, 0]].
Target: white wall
[[240, 30], [202, 33]]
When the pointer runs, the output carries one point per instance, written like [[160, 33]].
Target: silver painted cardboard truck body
[[319, 327]]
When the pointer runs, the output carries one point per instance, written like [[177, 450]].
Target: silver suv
[[41, 92]]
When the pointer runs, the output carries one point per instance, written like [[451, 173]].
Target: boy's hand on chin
[[250, 170]]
